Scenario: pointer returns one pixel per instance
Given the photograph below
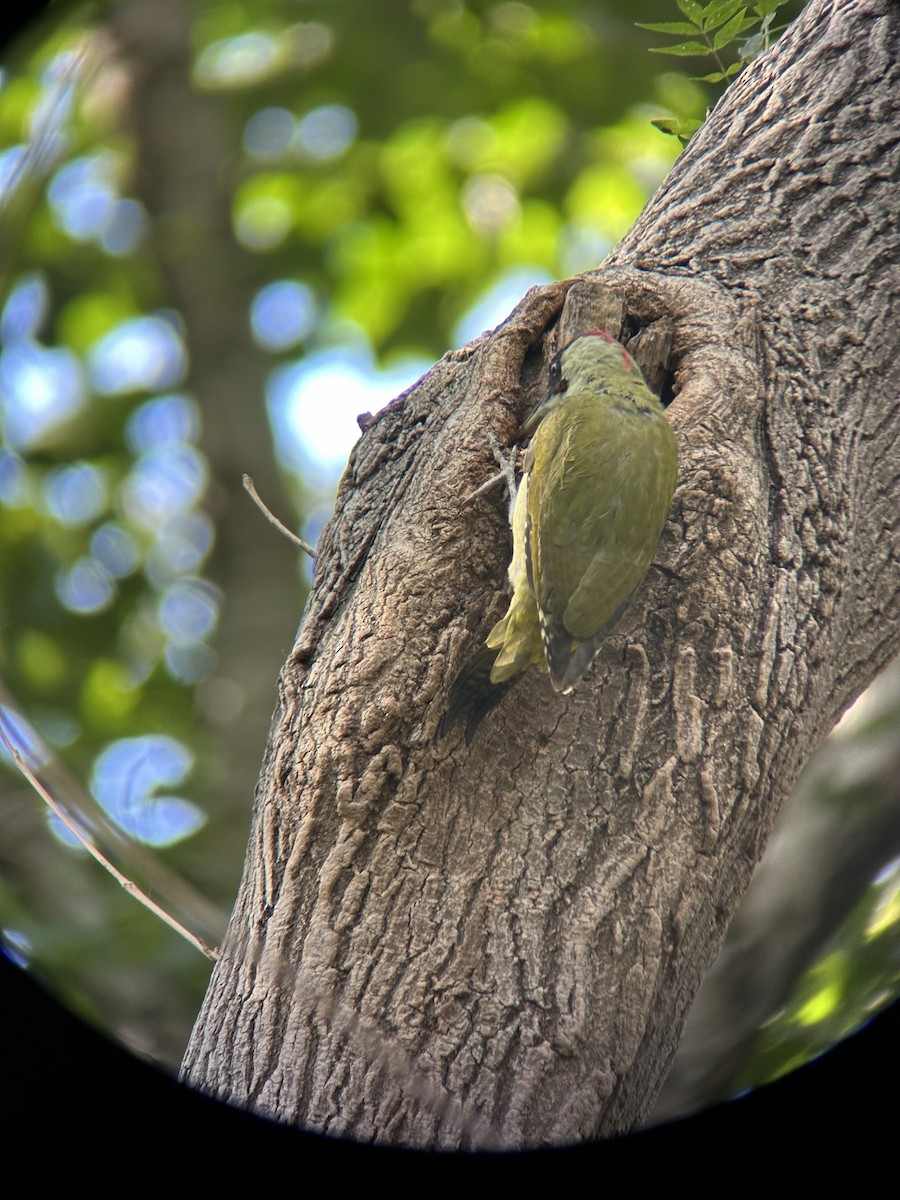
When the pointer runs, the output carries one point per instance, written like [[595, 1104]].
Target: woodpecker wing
[[604, 473]]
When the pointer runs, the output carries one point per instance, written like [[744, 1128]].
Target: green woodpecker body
[[595, 493]]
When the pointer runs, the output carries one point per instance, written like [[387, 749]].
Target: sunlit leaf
[[719, 76], [683, 49], [41, 659], [91, 315], [667, 26], [692, 9], [729, 31], [108, 696], [719, 11], [684, 129], [767, 7]]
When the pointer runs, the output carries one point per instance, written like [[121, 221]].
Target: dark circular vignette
[[79, 1105], [87, 1104], [15, 18]]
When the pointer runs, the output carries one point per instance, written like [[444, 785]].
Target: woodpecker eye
[[557, 383]]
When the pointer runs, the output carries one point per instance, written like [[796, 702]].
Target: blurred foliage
[[396, 180], [397, 175], [856, 978], [721, 30], [814, 948], [856, 972]]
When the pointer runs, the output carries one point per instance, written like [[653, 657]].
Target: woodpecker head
[[592, 362]]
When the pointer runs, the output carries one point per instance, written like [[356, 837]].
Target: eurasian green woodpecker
[[595, 493]]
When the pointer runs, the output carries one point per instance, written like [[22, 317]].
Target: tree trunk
[[447, 945], [840, 828]]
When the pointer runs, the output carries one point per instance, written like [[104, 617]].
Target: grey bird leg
[[507, 473]]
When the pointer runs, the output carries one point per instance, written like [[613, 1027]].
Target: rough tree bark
[[841, 827], [441, 945]]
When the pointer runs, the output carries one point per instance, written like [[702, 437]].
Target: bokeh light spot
[[26, 309], [188, 610], [141, 354], [13, 479], [490, 203], [269, 133], [282, 314], [76, 494], [315, 403], [326, 132], [125, 229], [263, 222], [180, 547], [163, 482], [86, 587], [82, 197], [161, 421], [116, 549], [237, 61], [42, 389], [190, 662], [125, 776]]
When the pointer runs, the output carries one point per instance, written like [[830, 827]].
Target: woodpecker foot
[[507, 474], [507, 465]]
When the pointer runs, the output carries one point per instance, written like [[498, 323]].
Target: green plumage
[[595, 493]]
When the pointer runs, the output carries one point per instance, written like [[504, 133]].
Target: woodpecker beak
[[540, 410], [531, 422]]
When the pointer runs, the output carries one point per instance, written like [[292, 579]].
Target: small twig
[[250, 488], [130, 887]]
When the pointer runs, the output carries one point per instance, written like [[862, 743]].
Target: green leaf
[[667, 26], [693, 49], [753, 46], [691, 9], [768, 30], [731, 29], [718, 76], [682, 128], [715, 13]]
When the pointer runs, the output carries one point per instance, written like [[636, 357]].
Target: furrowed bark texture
[[840, 829], [496, 945]]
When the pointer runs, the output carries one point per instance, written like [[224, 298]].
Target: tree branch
[[526, 920]]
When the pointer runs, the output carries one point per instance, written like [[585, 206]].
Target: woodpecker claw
[[487, 486], [507, 474], [507, 465]]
